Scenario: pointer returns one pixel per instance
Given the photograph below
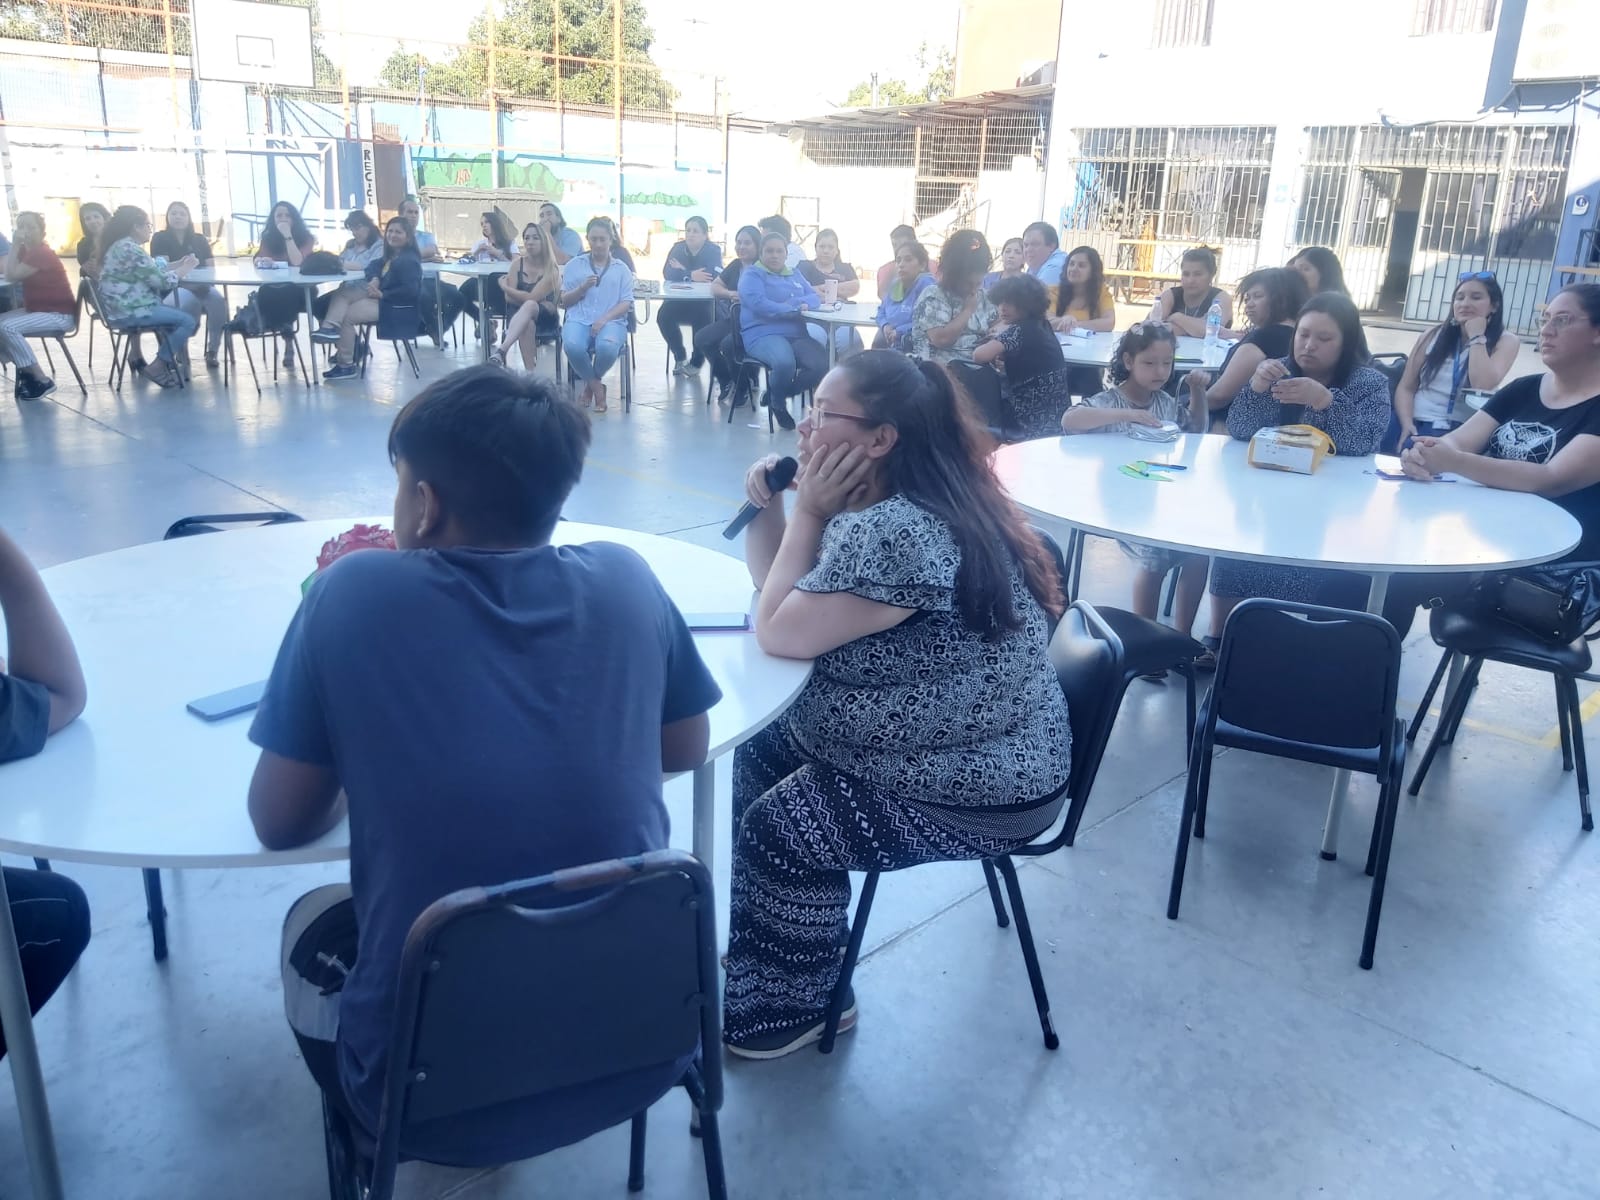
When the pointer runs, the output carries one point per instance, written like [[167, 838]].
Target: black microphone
[[779, 476]]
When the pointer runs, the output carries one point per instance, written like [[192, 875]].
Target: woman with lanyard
[[598, 297], [1467, 351]]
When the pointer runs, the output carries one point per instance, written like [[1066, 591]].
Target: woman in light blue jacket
[[773, 299], [898, 305]]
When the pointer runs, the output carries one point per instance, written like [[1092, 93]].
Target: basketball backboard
[[246, 42]]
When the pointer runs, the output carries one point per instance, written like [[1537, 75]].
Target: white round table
[[1344, 517], [140, 782], [1098, 349], [849, 312]]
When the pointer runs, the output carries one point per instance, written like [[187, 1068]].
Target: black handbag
[[1556, 603]]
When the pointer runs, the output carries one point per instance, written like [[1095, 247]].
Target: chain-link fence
[[101, 100]]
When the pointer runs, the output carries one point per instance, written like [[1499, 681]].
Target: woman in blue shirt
[[773, 299], [597, 292], [899, 302]]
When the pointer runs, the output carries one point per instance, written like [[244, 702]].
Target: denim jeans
[[592, 353], [180, 326], [794, 364]]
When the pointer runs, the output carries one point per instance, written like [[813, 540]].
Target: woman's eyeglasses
[[1557, 322], [1481, 276], [821, 416]]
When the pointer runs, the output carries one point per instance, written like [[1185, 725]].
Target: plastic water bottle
[[1213, 350]]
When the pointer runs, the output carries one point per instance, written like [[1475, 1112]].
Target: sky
[[800, 61]]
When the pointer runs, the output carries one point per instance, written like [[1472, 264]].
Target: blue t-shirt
[[615, 286], [491, 716], [1049, 272], [568, 242]]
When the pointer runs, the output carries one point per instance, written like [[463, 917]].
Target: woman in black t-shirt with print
[[1538, 434], [710, 340]]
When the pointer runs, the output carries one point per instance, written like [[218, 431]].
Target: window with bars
[[1182, 23], [1452, 16], [1197, 185]]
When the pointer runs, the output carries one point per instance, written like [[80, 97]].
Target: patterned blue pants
[[800, 828]]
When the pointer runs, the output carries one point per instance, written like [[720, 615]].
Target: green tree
[[939, 84], [523, 33]]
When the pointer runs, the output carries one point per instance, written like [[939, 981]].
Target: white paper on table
[[1390, 463]]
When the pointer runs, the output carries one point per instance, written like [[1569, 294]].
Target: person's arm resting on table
[[294, 793], [40, 651], [1460, 452]]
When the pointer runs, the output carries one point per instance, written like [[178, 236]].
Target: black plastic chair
[[1392, 367], [1148, 646], [365, 335], [510, 992], [1313, 684], [1481, 638], [1088, 660]]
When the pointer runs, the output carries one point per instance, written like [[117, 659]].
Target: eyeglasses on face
[[1478, 275], [821, 416], [1557, 322]]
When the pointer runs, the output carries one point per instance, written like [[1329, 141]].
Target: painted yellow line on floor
[[1586, 709], [1511, 735]]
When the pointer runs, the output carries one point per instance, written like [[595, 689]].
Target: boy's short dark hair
[[503, 451], [778, 224], [1023, 293]]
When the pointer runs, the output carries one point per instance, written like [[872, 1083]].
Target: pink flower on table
[[360, 537]]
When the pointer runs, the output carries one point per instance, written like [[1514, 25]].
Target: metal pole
[[726, 156], [494, 107], [33, 1110], [616, 96], [561, 120], [172, 61]]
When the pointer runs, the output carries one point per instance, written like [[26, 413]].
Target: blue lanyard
[[1458, 370]]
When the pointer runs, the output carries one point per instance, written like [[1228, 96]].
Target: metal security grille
[[940, 167], [1181, 23], [1452, 16], [1143, 196], [1409, 209]]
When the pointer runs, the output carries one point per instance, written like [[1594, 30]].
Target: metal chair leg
[[1180, 858], [1450, 717], [841, 989], [1563, 721], [1575, 713], [1389, 811], [1187, 671], [1030, 955], [157, 913], [636, 1153], [71, 362], [1000, 917], [710, 1146], [1467, 687], [1427, 696], [1202, 795]]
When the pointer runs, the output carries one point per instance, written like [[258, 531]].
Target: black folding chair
[[1147, 646], [511, 992], [1313, 684], [60, 339], [1088, 660], [366, 334], [1481, 638]]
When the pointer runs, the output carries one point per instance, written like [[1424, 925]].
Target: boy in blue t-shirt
[[491, 708]]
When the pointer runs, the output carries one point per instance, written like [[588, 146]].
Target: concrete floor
[[1238, 1052]]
